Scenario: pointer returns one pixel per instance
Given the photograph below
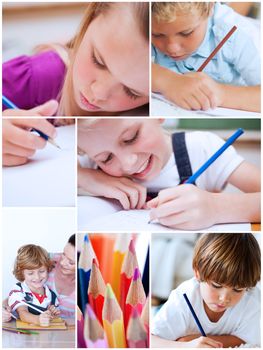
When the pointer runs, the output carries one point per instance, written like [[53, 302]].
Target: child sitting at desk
[[31, 294], [183, 37], [127, 157], [223, 294]]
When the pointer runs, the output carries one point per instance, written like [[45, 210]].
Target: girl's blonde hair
[[67, 104], [231, 259], [169, 11], [30, 257]]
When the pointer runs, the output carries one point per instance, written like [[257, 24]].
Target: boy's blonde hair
[[231, 259], [30, 257], [169, 11], [140, 10]]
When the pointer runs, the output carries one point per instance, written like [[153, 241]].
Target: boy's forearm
[[237, 207], [160, 78], [158, 342], [226, 340], [241, 97], [26, 316]]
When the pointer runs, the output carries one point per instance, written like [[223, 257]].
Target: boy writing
[[183, 36], [223, 294], [31, 294]]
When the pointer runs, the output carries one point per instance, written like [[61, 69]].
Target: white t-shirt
[[174, 320], [201, 146]]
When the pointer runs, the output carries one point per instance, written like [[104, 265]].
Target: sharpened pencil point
[[109, 292], [131, 247], [136, 274]]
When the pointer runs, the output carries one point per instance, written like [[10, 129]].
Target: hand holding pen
[[19, 143]]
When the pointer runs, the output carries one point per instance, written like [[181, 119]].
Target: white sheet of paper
[[163, 107], [137, 220], [48, 179]]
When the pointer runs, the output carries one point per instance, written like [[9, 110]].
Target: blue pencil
[[218, 153], [194, 316], [9, 104]]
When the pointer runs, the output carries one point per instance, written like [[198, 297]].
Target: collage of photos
[[131, 174]]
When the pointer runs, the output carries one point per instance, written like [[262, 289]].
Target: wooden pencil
[[135, 298], [84, 269], [136, 333], [145, 315], [120, 249], [113, 320], [93, 332], [129, 265], [215, 51], [96, 290], [80, 329]]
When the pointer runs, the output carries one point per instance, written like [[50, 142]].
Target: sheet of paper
[[138, 220], [49, 177], [162, 107]]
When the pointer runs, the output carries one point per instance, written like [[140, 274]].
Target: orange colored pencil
[[120, 249], [96, 290], [113, 320], [129, 265], [136, 333], [135, 298]]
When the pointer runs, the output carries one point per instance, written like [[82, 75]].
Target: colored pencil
[[136, 334], [80, 329], [135, 298], [120, 249], [113, 320], [96, 290], [93, 332], [129, 265], [84, 268], [214, 157], [145, 316], [194, 315], [9, 104], [215, 51]]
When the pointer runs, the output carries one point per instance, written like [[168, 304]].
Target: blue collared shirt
[[236, 63]]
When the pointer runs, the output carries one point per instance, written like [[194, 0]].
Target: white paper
[[162, 107], [49, 177], [138, 220]]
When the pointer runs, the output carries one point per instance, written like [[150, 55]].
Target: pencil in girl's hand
[[215, 51], [80, 329], [96, 290], [120, 249], [113, 320], [129, 265], [136, 333], [135, 298], [93, 332], [84, 269], [145, 316], [194, 315]]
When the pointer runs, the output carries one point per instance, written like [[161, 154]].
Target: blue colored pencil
[[218, 153], [84, 269], [194, 316], [11, 105]]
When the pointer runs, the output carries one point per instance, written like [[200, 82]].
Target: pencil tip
[[131, 247], [136, 274], [86, 238], [109, 292]]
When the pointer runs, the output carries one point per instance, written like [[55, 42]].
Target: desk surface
[[45, 338]]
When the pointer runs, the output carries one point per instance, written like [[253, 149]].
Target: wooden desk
[[45, 338]]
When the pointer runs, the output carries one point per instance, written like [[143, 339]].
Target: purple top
[[29, 81]]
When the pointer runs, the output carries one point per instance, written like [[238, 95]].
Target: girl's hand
[[55, 312], [6, 314], [184, 207], [204, 342], [18, 143], [44, 319], [47, 109], [130, 194], [193, 91]]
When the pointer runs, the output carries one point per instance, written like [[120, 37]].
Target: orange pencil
[[135, 298], [96, 290], [136, 333], [120, 249], [113, 320], [129, 265], [215, 51], [145, 317]]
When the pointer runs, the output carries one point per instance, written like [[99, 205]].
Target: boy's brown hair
[[30, 257], [231, 259], [169, 11]]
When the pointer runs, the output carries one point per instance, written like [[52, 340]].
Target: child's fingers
[[119, 195], [167, 208], [40, 124], [20, 151], [27, 139], [153, 203], [47, 109], [10, 160]]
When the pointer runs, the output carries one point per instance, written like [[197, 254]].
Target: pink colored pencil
[[135, 298], [93, 332], [80, 329], [136, 333]]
